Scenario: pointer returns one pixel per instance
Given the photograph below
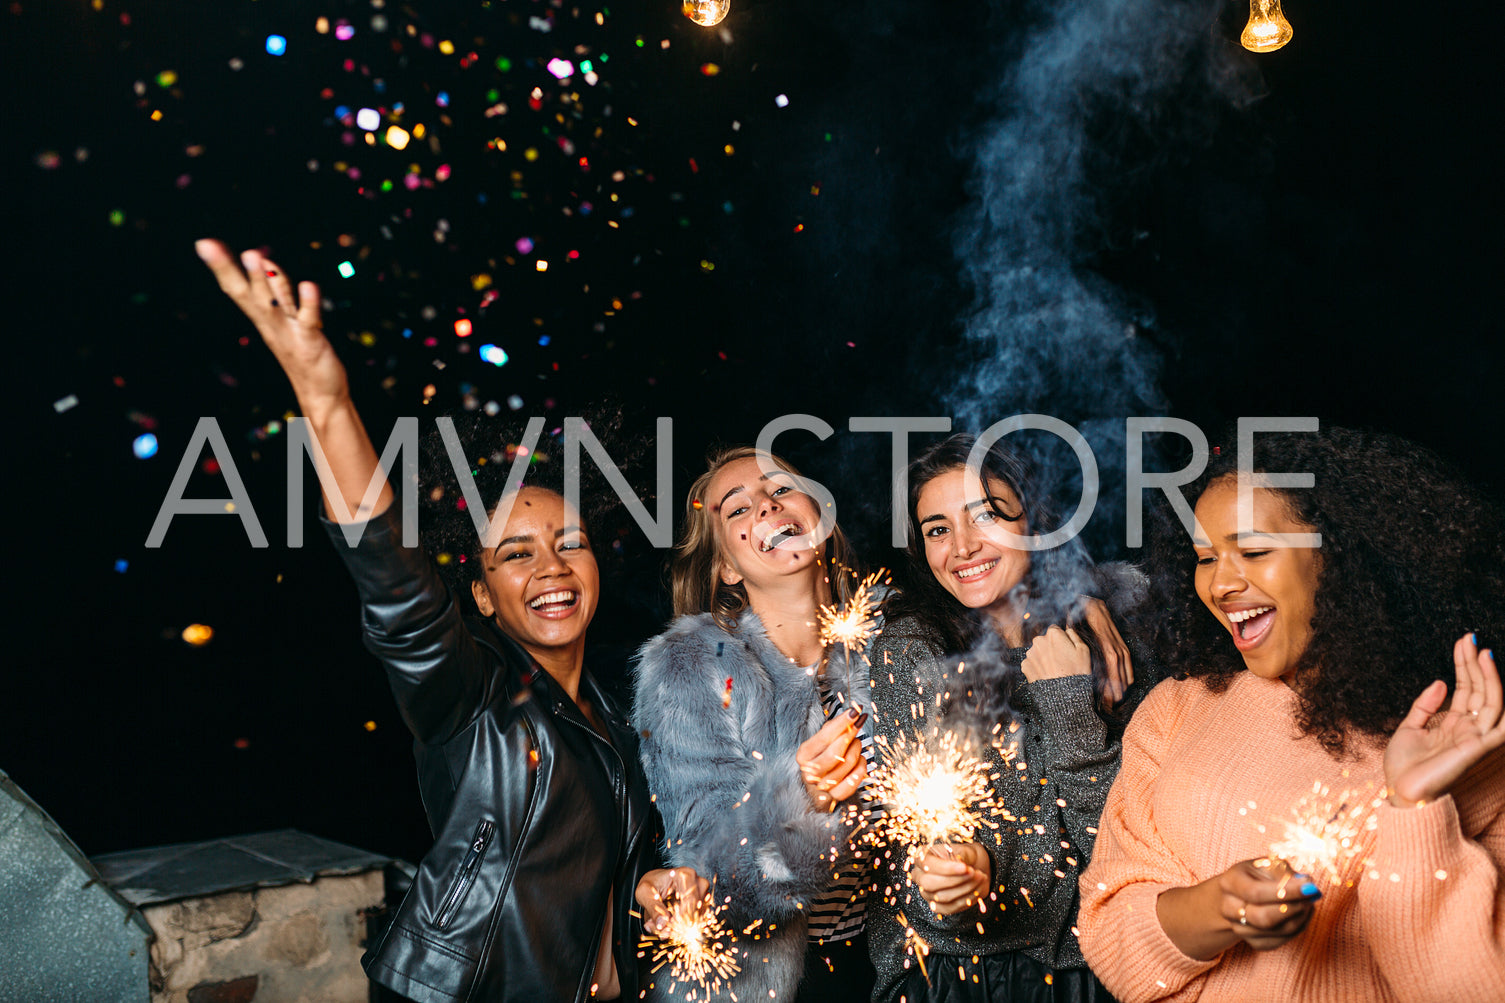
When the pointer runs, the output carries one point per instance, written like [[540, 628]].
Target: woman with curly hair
[[1306, 812], [543, 829], [991, 917], [753, 731]]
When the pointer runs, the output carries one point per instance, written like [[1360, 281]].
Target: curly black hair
[[491, 445], [1411, 559]]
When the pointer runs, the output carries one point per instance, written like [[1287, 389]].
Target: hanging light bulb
[[706, 12], [1267, 29]]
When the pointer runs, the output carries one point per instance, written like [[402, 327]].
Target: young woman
[[1309, 693], [529, 773], [992, 918], [753, 731]]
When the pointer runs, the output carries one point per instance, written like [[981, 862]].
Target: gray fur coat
[[729, 789]]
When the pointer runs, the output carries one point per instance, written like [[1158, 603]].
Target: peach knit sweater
[[1417, 912]]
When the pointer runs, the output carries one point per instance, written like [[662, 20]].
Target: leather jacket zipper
[[467, 874]]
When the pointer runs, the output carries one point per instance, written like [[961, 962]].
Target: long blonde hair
[[695, 574]]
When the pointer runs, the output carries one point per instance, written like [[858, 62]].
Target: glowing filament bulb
[[706, 12], [1267, 29]]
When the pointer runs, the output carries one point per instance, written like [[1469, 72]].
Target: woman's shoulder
[[693, 639], [908, 627]]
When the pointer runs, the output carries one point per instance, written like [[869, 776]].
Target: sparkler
[[934, 791], [852, 625], [695, 944], [1322, 835], [914, 942]]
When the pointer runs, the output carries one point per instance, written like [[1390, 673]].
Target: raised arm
[[1434, 903], [289, 323], [439, 675]]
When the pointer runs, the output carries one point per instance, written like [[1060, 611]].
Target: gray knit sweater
[[1055, 787]]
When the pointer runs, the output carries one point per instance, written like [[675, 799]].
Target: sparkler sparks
[[934, 791], [852, 625], [916, 944], [696, 945], [1322, 835]]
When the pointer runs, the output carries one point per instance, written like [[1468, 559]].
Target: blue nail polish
[[1311, 891], [1473, 639]]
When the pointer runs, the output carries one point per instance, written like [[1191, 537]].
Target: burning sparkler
[[695, 944], [853, 625], [934, 791], [1322, 835]]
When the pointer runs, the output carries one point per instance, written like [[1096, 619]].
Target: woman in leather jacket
[[544, 833]]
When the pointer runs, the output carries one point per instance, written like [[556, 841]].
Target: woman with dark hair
[[753, 730], [543, 830], [991, 917], [1304, 812]]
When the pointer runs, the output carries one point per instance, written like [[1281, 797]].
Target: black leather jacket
[[536, 817]]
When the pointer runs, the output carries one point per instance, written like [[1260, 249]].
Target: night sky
[[1086, 208]]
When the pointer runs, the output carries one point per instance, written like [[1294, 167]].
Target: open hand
[[952, 877], [831, 760], [289, 323], [1433, 748]]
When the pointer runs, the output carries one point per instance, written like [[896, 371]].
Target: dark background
[[1311, 232]]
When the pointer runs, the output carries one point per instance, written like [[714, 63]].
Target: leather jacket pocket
[[465, 876]]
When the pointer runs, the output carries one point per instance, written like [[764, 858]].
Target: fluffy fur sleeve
[[723, 772]]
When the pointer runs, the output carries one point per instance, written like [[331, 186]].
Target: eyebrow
[[931, 518], [739, 487], [528, 537]]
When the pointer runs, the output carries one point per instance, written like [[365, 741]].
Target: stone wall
[[299, 943]]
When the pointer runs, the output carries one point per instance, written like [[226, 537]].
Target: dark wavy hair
[[446, 528], [1412, 558], [1055, 578], [1053, 586]]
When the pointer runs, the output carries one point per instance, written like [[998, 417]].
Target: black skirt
[[996, 978]]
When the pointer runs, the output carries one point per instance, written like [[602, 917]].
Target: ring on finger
[[1242, 918]]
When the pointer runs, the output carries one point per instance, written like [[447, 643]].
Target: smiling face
[[765, 527], [541, 582], [1263, 595], [966, 538]]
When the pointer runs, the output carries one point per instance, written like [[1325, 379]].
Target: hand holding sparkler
[[684, 930], [952, 877], [659, 889], [831, 760], [1262, 903], [1434, 748]]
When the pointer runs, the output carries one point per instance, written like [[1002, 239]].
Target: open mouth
[[1251, 625], [555, 602], [780, 534], [976, 569]]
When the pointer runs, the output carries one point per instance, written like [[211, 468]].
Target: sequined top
[[1054, 764]]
